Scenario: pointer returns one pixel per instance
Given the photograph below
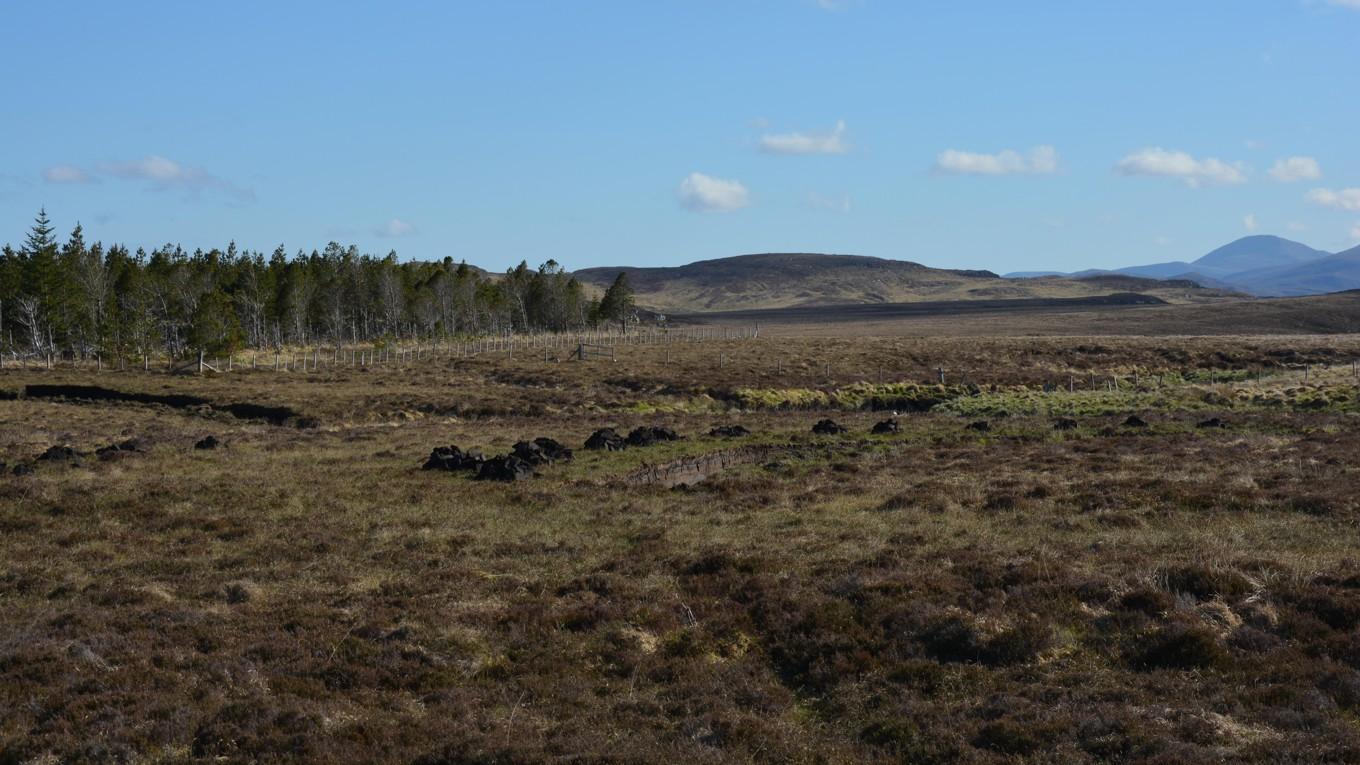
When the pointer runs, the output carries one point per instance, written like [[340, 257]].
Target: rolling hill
[[787, 280]]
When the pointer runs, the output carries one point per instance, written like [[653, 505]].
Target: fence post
[[939, 371], [200, 361]]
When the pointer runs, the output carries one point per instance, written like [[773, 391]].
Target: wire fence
[[581, 346], [603, 345]]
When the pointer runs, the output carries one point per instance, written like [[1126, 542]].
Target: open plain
[[1075, 549]]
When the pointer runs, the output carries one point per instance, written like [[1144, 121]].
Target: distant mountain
[[785, 280], [1032, 274], [1258, 265], [1255, 252], [1173, 270], [1333, 273]]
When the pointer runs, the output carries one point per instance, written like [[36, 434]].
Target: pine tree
[[617, 303], [39, 292]]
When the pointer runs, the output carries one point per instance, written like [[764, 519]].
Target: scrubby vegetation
[[1024, 592]]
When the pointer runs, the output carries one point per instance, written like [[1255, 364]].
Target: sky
[[1060, 135]]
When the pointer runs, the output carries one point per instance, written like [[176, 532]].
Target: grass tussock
[[1025, 592]]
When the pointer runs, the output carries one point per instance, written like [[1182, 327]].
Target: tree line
[[83, 299]]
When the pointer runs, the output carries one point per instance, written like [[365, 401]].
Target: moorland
[[1076, 548]]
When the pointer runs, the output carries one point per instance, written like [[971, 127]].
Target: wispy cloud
[[394, 228], [1178, 164], [1355, 231], [832, 142], [1345, 3], [1250, 223], [163, 174], [1041, 160], [1340, 199], [1293, 169], [66, 174], [702, 193]]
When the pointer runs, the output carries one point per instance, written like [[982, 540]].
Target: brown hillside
[[792, 280]]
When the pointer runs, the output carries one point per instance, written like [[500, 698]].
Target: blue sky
[[1064, 134]]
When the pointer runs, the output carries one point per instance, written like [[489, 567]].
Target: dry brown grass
[[1167, 594]]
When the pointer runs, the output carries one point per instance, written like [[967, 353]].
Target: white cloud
[[1041, 160], [165, 174], [1178, 164], [1341, 199], [1295, 169], [1296, 227], [807, 143], [1250, 222], [66, 174], [1355, 231], [1345, 3], [394, 228], [702, 193], [839, 204]]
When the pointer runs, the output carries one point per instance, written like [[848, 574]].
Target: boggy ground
[[1106, 593]]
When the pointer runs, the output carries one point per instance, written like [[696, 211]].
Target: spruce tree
[[617, 303]]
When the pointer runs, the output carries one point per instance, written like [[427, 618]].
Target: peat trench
[[275, 415]]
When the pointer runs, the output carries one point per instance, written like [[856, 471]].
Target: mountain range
[[1260, 265], [800, 280]]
